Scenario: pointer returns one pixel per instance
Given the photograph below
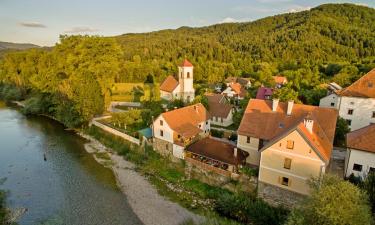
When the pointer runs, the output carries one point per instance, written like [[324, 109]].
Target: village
[[277, 147]]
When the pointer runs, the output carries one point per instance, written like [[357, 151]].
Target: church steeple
[[185, 78]]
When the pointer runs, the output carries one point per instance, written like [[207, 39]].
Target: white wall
[[167, 131], [251, 148], [366, 159], [362, 111], [186, 83], [226, 121], [228, 92]]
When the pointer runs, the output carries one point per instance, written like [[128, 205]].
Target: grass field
[[135, 92]]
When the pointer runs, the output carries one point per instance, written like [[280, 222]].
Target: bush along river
[[47, 172]]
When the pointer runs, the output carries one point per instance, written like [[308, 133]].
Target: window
[[332, 104], [161, 122], [247, 139], [161, 133], [221, 119], [285, 181], [350, 111], [373, 114], [199, 126], [188, 74], [287, 163], [167, 147], [372, 170], [357, 167], [290, 144], [351, 103], [206, 122], [349, 122]]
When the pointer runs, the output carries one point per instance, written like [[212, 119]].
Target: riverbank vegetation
[[3, 210], [170, 180]]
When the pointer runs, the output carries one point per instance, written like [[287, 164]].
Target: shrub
[[217, 133]]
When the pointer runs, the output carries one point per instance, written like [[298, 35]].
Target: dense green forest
[[72, 81]]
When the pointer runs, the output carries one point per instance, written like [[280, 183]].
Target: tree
[[285, 94], [333, 202], [201, 99], [369, 186], [342, 129]]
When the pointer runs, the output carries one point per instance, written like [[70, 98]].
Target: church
[[183, 89]]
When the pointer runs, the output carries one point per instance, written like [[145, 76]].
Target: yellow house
[[290, 143]]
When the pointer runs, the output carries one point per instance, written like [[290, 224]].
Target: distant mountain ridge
[[16, 46]]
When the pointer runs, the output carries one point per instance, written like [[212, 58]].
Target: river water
[[70, 187]]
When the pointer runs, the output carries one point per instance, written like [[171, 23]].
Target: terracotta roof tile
[[169, 84], [218, 150], [362, 139], [280, 79], [218, 105], [183, 119], [238, 89], [260, 121], [186, 63], [364, 87]]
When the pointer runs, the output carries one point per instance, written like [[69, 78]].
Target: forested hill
[[17, 46], [325, 34]]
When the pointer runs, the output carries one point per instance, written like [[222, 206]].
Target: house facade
[[290, 143], [360, 155], [221, 111], [235, 90], [174, 130], [356, 103], [183, 89]]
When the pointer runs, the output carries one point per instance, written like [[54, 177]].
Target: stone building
[[174, 130]]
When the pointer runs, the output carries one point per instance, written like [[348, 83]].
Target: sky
[[42, 21]]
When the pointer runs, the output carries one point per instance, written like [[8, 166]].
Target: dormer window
[[281, 125]]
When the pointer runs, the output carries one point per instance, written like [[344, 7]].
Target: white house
[[221, 111], [360, 157], [183, 89], [235, 90], [174, 130], [356, 103]]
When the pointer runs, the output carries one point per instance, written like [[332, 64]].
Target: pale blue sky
[[41, 21]]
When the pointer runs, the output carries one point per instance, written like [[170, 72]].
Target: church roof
[[186, 63], [169, 84], [364, 87]]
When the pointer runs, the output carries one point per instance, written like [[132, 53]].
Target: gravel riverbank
[[151, 208]]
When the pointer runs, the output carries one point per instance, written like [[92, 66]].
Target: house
[[174, 130], [220, 110], [216, 156], [264, 93], [235, 91], [245, 82], [333, 87], [360, 156], [280, 81], [356, 103], [183, 89], [290, 143]]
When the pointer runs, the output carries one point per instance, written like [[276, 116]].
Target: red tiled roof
[[263, 92], [238, 89], [218, 150], [218, 106], [186, 63], [362, 139], [364, 87], [280, 79], [169, 84], [261, 122], [183, 120]]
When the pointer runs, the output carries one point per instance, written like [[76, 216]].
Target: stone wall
[[116, 132], [163, 147], [277, 196]]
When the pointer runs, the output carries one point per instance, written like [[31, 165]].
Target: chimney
[[275, 102], [235, 152], [309, 124], [196, 108], [290, 107]]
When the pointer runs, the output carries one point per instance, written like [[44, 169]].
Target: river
[[69, 187]]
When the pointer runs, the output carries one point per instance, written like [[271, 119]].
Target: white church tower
[[185, 79]]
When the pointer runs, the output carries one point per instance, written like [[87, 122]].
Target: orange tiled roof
[[186, 63], [364, 87], [238, 89], [218, 106], [362, 139], [261, 122], [184, 119], [169, 84], [280, 79]]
